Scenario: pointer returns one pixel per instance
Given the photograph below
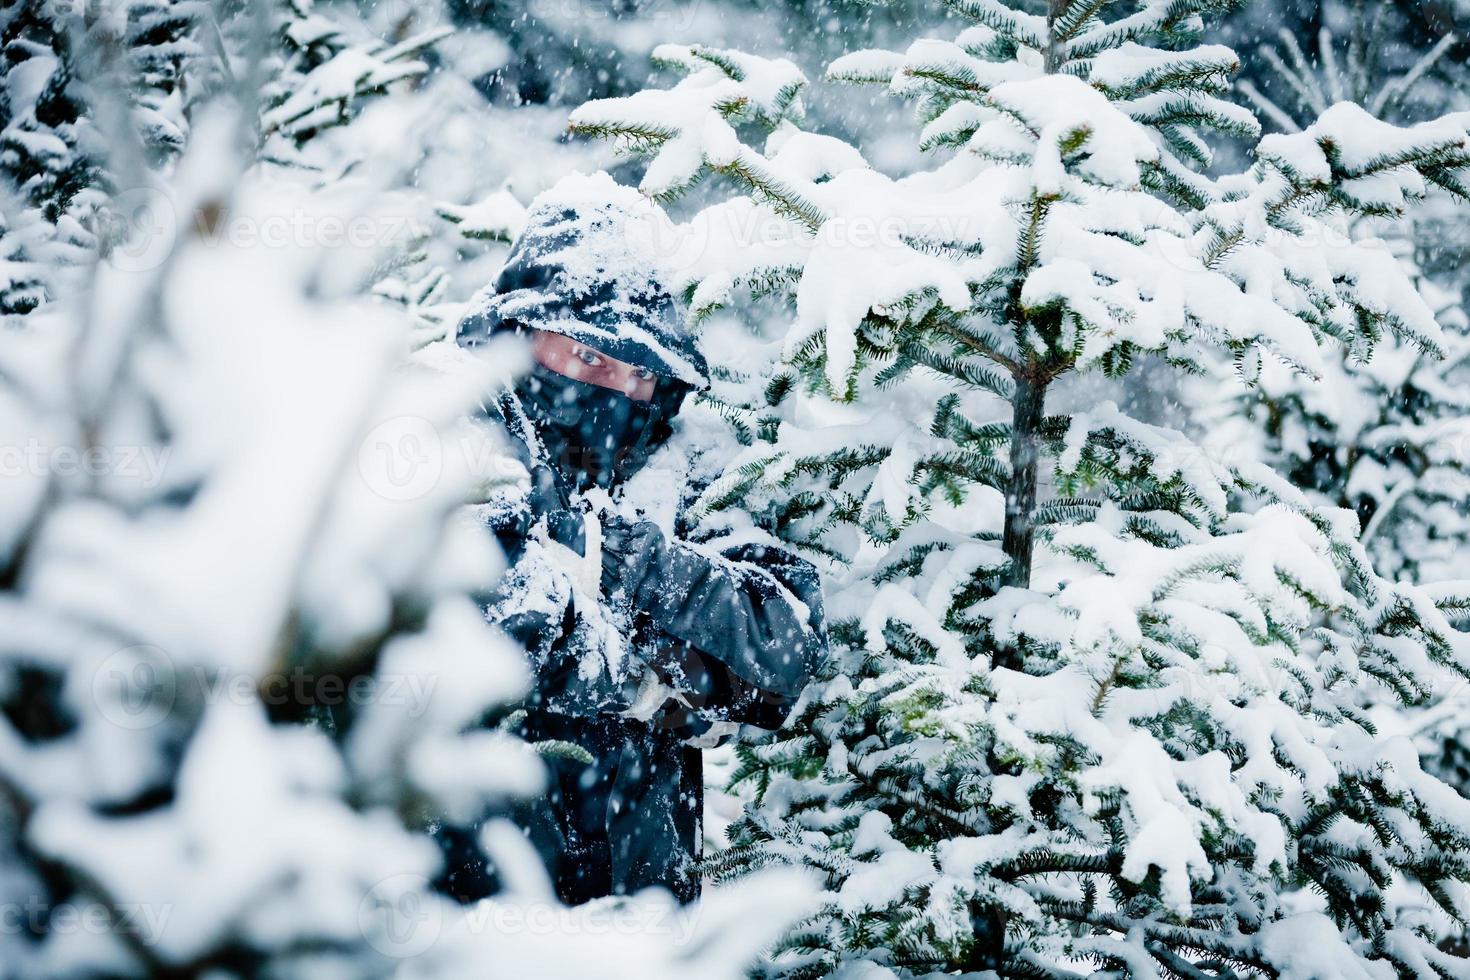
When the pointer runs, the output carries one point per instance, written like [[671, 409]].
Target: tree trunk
[[1027, 412], [989, 949], [1027, 405], [1053, 54]]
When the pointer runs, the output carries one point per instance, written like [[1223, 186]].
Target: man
[[644, 646]]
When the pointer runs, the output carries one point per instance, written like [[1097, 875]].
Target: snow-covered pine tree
[[52, 157], [210, 728], [327, 63], [1386, 437], [99, 103], [565, 53], [1396, 60], [242, 661], [1112, 724], [1404, 63]]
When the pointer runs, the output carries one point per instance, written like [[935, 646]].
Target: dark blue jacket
[[666, 642]]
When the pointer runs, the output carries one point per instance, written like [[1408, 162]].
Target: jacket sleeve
[[742, 632]]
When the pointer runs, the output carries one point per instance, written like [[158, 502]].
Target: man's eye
[[587, 357], [643, 374]]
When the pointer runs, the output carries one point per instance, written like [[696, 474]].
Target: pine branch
[[1022, 28]]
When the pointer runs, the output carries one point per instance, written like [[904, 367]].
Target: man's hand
[[546, 495], [628, 551], [548, 500]]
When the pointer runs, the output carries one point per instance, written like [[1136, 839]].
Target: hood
[[587, 266]]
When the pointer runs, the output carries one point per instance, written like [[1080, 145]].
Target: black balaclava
[[594, 436]]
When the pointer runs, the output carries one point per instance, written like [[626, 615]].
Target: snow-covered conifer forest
[[1107, 362]]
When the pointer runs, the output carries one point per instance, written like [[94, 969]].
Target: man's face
[[576, 360]]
